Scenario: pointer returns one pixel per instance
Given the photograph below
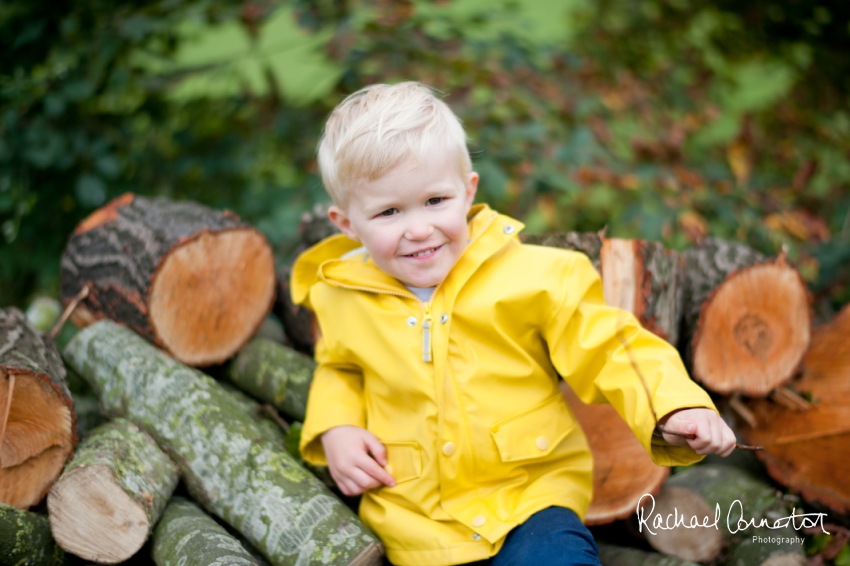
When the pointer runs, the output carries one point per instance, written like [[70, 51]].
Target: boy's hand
[[348, 450], [712, 434]]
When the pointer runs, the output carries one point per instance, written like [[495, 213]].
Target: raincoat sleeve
[[595, 348], [336, 399]]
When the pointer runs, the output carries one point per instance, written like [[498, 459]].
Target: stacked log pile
[[177, 286], [743, 325]]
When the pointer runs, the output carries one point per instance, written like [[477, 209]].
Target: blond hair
[[377, 127]]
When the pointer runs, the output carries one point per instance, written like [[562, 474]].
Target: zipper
[[426, 322], [426, 333], [427, 349]]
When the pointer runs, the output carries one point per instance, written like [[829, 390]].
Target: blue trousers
[[552, 537]]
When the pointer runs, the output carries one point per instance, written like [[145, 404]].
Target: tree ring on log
[[753, 330], [806, 451], [99, 505], [231, 283], [35, 439], [195, 281]]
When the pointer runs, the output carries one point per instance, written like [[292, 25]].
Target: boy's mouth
[[424, 252]]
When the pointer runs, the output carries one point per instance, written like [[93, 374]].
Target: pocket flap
[[404, 460], [534, 433]]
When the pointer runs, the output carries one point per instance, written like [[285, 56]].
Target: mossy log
[[622, 470], [611, 555], [753, 327], [25, 539], [646, 279], [273, 329], [225, 460], [37, 432], [275, 374], [111, 494], [186, 536], [196, 281], [805, 450], [284, 436], [43, 313], [735, 505]]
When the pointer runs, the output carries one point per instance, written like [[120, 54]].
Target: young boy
[[436, 394]]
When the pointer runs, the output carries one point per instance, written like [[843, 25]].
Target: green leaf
[[90, 190]]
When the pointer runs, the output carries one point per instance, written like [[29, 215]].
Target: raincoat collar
[[341, 261]]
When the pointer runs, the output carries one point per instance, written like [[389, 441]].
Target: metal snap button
[[476, 536], [509, 229], [411, 321], [444, 318]]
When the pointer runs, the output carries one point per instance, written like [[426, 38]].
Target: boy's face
[[412, 221]]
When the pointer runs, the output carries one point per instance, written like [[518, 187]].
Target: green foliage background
[[661, 119]]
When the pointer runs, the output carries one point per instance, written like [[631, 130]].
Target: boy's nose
[[418, 230]]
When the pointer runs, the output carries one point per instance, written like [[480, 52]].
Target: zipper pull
[[426, 334]]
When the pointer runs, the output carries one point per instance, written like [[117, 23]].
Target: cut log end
[[78, 518], [211, 294], [827, 363], [681, 542], [36, 437], [785, 559], [753, 330]]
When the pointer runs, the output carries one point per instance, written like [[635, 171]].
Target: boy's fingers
[[377, 472], [376, 449], [364, 480]]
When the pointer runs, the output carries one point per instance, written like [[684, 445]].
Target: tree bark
[[25, 539], [36, 412], [195, 281], [285, 437], [588, 243], [610, 555], [298, 321], [274, 374], [186, 536], [226, 462], [111, 494], [700, 491], [647, 280], [622, 470]]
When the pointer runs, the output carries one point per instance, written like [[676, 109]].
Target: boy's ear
[[471, 188], [341, 221]]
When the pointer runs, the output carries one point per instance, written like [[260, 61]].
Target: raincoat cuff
[[665, 454]]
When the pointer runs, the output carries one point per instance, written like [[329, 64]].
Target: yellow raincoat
[[463, 389]]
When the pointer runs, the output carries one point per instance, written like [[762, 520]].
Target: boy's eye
[[435, 200], [388, 212]]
